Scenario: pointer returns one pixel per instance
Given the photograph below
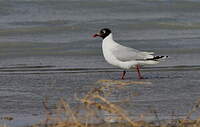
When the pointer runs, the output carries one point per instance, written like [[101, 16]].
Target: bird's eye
[[104, 31]]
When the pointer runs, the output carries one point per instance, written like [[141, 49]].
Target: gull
[[125, 57]]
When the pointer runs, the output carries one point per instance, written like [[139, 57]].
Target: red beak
[[96, 35]]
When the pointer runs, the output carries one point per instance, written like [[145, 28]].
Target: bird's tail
[[154, 60]]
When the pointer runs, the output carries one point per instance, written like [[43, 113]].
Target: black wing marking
[[157, 57]]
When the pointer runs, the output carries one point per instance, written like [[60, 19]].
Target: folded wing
[[127, 54]]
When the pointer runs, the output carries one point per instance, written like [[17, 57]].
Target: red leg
[[138, 72], [123, 75]]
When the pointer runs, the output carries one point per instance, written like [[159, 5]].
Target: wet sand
[[173, 89]]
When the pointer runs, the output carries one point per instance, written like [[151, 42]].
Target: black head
[[103, 33]]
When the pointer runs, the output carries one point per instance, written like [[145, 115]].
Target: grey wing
[[126, 54]]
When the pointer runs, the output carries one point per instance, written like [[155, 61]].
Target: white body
[[122, 56]]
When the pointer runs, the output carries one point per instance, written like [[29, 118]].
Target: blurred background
[[51, 32]]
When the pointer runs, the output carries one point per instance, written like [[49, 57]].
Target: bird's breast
[[108, 55]]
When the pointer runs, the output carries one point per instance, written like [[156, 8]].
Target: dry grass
[[96, 102]]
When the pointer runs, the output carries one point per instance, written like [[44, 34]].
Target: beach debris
[[9, 118], [120, 82], [97, 109]]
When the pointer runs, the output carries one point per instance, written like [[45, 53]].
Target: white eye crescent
[[104, 31]]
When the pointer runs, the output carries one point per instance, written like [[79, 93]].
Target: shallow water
[[47, 50]]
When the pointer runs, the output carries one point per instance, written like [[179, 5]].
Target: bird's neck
[[108, 38]]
